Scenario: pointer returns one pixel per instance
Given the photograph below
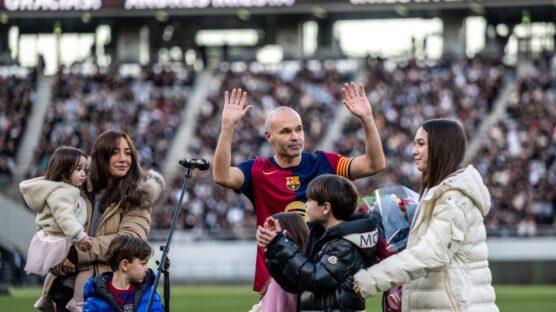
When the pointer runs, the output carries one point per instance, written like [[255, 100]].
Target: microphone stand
[[164, 263]]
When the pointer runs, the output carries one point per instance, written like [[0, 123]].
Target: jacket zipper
[[450, 291]]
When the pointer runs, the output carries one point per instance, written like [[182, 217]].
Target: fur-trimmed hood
[[150, 189]]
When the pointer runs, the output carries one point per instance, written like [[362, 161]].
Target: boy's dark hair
[[126, 248], [338, 191], [62, 163]]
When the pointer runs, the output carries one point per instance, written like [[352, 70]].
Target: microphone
[[200, 164]]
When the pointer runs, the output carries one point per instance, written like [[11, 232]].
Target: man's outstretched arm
[[222, 171], [373, 161]]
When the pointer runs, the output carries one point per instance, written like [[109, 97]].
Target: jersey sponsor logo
[[297, 207], [269, 172], [363, 240], [293, 183]]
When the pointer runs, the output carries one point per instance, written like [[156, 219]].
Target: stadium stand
[[517, 156], [403, 95], [144, 102], [149, 102], [16, 100], [312, 88]]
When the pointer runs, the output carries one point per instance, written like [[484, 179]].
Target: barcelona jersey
[[273, 189]]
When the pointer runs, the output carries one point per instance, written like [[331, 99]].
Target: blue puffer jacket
[[98, 298]]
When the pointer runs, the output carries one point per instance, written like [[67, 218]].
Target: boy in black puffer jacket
[[341, 242]]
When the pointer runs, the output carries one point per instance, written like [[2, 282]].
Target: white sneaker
[[45, 305]]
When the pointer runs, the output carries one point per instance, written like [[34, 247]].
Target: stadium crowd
[[404, 95], [519, 170], [17, 93], [313, 89], [516, 156], [147, 106]]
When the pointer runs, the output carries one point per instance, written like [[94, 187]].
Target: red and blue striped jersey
[[273, 189]]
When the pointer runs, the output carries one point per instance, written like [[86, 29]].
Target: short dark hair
[[127, 247], [338, 191], [446, 148]]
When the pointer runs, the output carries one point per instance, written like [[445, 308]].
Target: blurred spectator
[[18, 263], [527, 227], [16, 100]]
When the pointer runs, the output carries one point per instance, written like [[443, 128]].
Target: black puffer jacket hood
[[356, 230]]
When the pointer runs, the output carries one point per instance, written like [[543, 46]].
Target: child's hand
[[269, 224], [264, 236], [272, 224], [85, 243], [356, 288]]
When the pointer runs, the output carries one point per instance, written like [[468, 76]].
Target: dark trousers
[[61, 294]]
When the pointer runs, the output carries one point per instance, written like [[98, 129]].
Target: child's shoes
[[74, 306], [45, 305]]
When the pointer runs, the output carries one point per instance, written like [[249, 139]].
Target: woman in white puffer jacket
[[444, 266]]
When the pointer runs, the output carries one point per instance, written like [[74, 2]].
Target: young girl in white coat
[[444, 266], [58, 199]]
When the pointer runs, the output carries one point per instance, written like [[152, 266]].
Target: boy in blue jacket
[[340, 242], [128, 288]]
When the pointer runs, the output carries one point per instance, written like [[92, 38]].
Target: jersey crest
[[292, 183]]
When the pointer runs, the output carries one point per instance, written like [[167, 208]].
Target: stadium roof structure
[[355, 9]]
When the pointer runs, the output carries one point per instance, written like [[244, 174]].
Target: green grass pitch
[[240, 298]]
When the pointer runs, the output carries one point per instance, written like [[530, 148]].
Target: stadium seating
[[312, 88], [16, 100], [146, 105]]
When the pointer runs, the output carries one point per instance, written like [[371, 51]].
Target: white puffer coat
[[444, 266]]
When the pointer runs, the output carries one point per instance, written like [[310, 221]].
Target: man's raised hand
[[356, 100], [234, 108]]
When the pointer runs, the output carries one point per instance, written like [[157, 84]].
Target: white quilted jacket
[[444, 266]]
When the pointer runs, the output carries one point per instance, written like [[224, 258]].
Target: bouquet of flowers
[[396, 205]]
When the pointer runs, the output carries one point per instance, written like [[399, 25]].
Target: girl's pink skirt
[[45, 251]]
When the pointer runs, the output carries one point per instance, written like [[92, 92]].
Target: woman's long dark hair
[[120, 188], [446, 148]]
